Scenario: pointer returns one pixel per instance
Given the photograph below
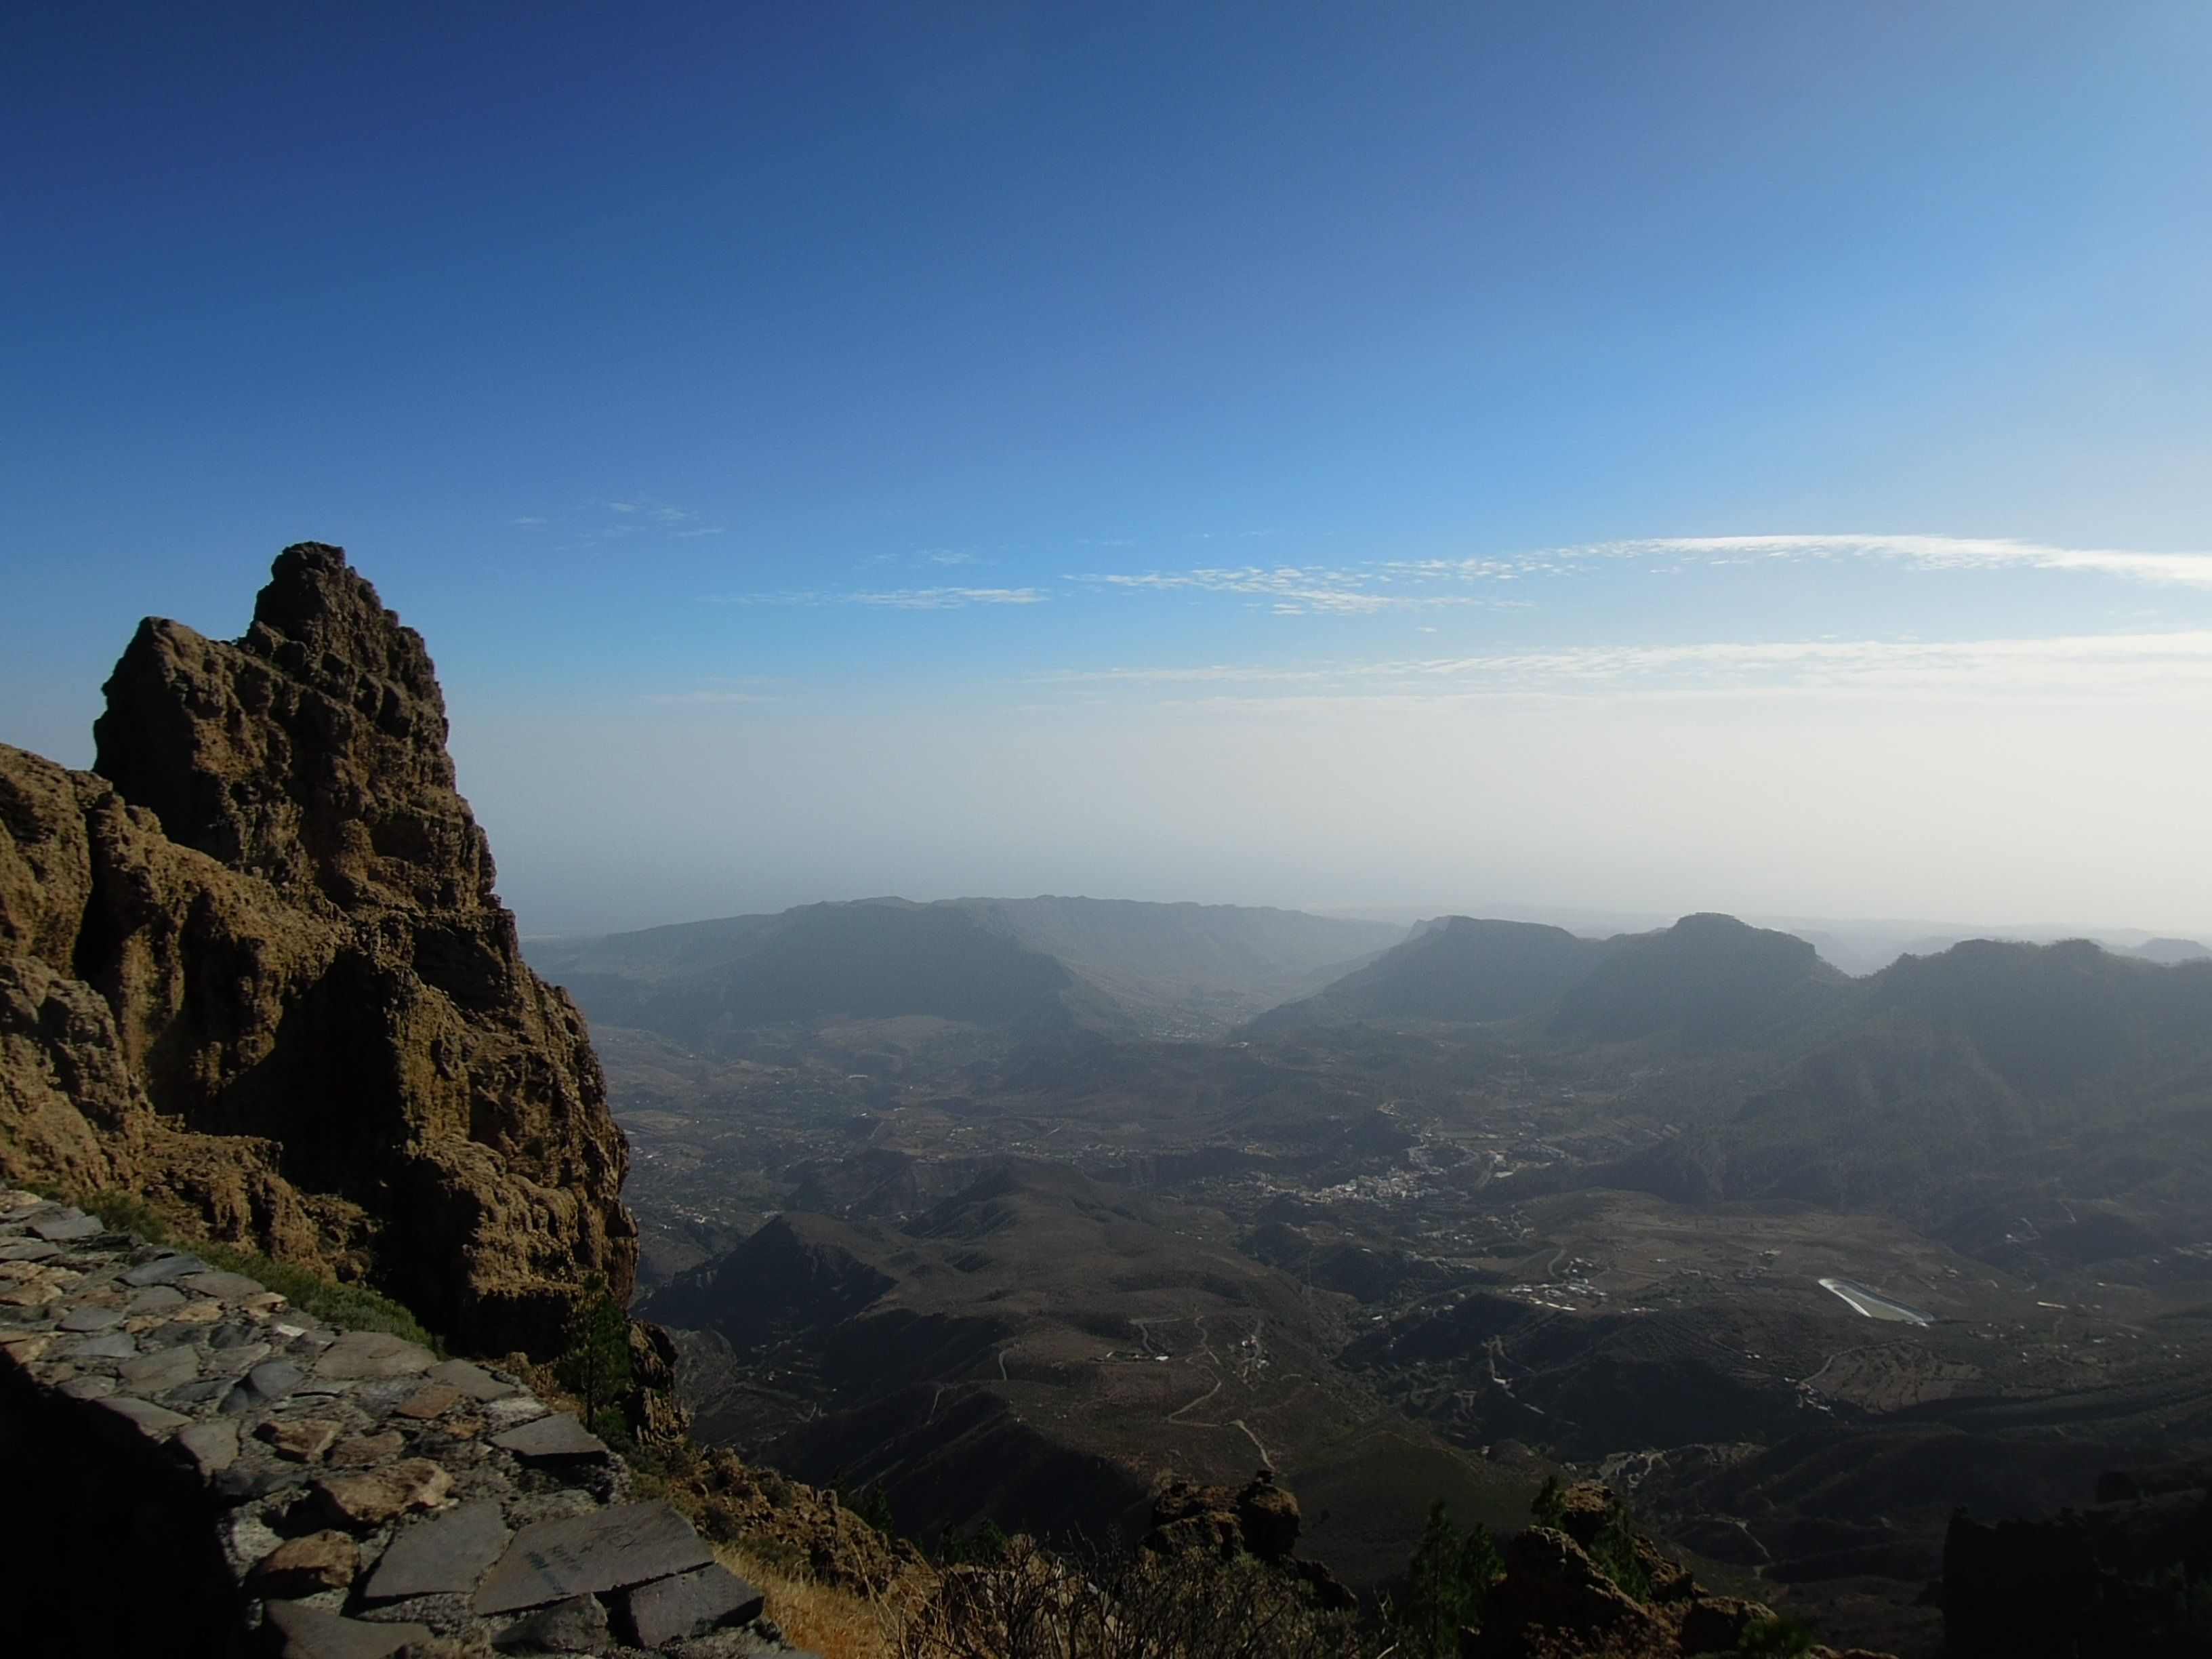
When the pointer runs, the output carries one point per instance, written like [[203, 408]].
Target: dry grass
[[837, 1624]]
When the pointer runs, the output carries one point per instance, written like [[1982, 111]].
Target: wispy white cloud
[[1293, 590], [2126, 664], [640, 519], [1363, 588], [1931, 552], [899, 598]]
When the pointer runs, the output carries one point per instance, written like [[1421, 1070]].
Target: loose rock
[[301, 1439], [320, 1561], [367, 1500]]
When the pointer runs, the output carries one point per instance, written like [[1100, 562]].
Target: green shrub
[[1778, 1637], [354, 1306], [127, 1212]]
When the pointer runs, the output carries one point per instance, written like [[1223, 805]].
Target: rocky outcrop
[[252, 968], [190, 1465], [1259, 1519], [1584, 1584]]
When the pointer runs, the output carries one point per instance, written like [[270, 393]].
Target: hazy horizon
[[1742, 458]]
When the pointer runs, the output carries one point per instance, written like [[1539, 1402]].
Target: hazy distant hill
[[1710, 979], [1209, 963], [1183, 969], [1459, 968], [2168, 950], [1962, 1085], [700, 982]]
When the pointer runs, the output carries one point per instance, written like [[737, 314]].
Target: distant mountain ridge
[[1027, 964], [1456, 968], [705, 983], [1708, 979]]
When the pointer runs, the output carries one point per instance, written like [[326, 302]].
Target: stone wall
[[190, 1465]]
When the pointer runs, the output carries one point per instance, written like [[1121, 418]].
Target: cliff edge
[[253, 968]]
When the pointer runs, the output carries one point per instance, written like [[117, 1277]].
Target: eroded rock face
[[253, 967]]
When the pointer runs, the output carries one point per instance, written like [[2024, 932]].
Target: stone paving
[[370, 1500]]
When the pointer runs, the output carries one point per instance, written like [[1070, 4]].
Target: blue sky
[[1715, 455]]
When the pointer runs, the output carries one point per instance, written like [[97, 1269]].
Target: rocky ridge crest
[[253, 968]]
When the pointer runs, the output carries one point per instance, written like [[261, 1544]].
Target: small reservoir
[[1874, 1304]]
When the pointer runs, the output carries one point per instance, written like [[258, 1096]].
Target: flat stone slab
[[359, 1354], [163, 1269], [506, 1414], [583, 1555], [558, 1436], [115, 1345], [144, 1415], [28, 1249], [92, 1319], [155, 1299], [690, 1604], [424, 1404], [160, 1372], [448, 1556], [473, 1380], [310, 1633], [213, 1447], [88, 1387], [272, 1379], [69, 1226]]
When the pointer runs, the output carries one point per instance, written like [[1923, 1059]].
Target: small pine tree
[[1550, 1509], [1613, 1550], [1448, 1582], [874, 1506], [595, 1367]]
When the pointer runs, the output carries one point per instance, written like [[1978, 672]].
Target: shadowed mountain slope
[[1962, 1085], [1461, 969], [1708, 979], [1037, 1348]]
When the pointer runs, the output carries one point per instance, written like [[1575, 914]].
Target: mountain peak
[[311, 753]]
